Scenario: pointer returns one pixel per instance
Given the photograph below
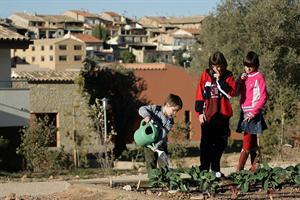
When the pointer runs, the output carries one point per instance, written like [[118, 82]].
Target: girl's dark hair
[[251, 60], [219, 59]]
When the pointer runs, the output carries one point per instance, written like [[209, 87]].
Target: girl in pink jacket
[[253, 97]]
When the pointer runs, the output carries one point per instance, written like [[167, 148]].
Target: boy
[[163, 118]]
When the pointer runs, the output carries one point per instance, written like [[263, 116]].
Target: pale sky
[[130, 8]]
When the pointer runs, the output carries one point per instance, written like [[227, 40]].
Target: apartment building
[[47, 26], [88, 18], [61, 54]]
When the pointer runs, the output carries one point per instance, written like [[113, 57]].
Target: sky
[[129, 8]]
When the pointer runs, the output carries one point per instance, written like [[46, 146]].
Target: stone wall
[[65, 99]]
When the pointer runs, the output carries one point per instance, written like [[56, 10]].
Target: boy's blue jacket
[[163, 122]]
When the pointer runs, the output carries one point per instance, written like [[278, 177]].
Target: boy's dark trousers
[[214, 135], [152, 160]]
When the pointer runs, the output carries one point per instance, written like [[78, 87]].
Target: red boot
[[254, 160], [242, 161]]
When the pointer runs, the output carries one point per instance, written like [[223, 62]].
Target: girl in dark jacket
[[214, 91]]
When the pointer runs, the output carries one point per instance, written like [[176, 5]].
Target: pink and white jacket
[[253, 93]]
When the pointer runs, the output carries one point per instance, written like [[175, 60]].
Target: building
[[66, 53], [14, 102], [150, 53], [92, 44], [47, 26], [190, 22], [86, 17], [56, 95], [162, 79]]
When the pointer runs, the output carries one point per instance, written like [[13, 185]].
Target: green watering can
[[146, 134]]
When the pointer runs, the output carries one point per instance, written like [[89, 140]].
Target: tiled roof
[[46, 76], [87, 38], [42, 18], [84, 13], [112, 14], [193, 31], [29, 17], [58, 18], [159, 19], [145, 66], [182, 20], [7, 34]]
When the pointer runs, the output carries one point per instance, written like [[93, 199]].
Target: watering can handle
[[152, 147]]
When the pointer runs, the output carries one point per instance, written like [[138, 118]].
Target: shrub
[[34, 146]]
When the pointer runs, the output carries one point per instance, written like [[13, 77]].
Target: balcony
[[14, 105]]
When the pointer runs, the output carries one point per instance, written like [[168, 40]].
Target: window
[[62, 58], [32, 59], [51, 121], [77, 47], [33, 48], [77, 58], [42, 48], [62, 47], [50, 47], [42, 58], [51, 58]]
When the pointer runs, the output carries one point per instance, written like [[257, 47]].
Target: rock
[[50, 177], [23, 178], [127, 188], [11, 196], [201, 196], [148, 192], [172, 191]]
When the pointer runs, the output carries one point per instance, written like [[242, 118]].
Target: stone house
[[56, 95]]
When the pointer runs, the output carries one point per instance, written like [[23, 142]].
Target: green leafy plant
[[242, 179], [204, 180], [271, 178], [164, 177]]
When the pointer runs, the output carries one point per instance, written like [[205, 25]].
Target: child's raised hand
[[217, 76], [243, 76]]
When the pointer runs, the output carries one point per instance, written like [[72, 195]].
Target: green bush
[[34, 146]]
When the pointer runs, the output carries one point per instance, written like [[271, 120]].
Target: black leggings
[[214, 135]]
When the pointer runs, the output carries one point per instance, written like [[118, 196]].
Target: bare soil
[[290, 156]]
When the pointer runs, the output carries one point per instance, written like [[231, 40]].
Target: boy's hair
[[219, 59], [174, 100], [251, 60]]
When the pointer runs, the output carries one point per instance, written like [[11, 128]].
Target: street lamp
[[104, 105]]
